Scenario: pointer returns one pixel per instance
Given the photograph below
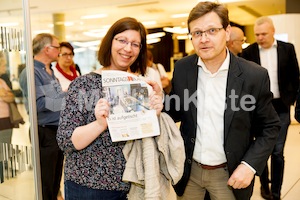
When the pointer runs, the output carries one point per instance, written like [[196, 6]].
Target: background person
[[6, 97], [94, 164], [236, 40], [77, 68], [48, 102], [160, 72], [152, 71], [65, 70], [279, 58], [223, 152]]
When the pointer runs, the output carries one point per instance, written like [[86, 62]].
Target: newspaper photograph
[[130, 116]]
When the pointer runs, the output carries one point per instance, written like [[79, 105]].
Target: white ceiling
[[243, 12]]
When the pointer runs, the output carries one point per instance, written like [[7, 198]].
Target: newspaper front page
[[130, 116]]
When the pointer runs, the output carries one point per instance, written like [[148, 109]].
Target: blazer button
[[193, 140], [189, 161]]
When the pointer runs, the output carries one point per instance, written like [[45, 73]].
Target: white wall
[[288, 24]]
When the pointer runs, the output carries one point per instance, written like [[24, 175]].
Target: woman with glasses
[[94, 164], [65, 69]]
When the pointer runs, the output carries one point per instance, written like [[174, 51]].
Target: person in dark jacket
[[220, 100], [279, 58]]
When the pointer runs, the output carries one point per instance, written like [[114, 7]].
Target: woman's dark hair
[[67, 45], [203, 8], [127, 23]]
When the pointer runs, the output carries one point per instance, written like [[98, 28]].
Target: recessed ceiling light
[[155, 35], [182, 37], [178, 30], [154, 40]]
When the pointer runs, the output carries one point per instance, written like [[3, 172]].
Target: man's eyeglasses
[[54, 47], [208, 33], [123, 42], [66, 55]]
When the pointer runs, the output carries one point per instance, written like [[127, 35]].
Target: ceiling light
[[94, 16], [155, 35], [182, 37], [178, 30], [154, 40]]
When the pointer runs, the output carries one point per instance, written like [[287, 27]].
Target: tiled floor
[[22, 186]]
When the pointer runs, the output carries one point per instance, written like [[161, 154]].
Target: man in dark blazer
[[279, 58], [220, 101]]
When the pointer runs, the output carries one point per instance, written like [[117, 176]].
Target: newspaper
[[130, 116]]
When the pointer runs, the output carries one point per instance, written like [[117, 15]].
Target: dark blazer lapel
[[280, 52], [234, 87], [256, 54], [192, 77]]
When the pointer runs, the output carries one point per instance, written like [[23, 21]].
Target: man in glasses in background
[[65, 69], [236, 40], [219, 100], [49, 97], [279, 58]]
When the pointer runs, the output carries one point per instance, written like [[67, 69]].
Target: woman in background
[[157, 72], [152, 71], [94, 164], [6, 97], [65, 69]]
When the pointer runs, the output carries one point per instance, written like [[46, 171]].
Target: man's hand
[[241, 177]]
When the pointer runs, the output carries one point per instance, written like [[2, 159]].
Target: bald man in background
[[237, 39]]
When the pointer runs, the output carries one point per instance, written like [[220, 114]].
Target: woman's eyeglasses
[[123, 42], [66, 55]]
